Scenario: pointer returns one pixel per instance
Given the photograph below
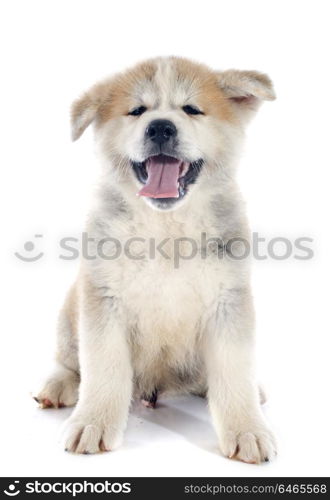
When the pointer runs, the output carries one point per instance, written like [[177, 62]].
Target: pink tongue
[[163, 177]]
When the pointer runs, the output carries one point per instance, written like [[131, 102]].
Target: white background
[[51, 52]]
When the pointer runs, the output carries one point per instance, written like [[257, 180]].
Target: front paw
[[253, 444], [86, 433]]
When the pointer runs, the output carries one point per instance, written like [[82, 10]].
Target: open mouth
[[165, 177]]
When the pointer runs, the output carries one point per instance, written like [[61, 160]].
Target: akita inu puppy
[[176, 314]]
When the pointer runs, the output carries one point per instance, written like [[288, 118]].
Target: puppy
[[164, 304]]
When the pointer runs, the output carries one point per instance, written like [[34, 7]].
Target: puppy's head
[[170, 125]]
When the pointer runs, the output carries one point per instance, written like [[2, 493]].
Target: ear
[[85, 110], [246, 89]]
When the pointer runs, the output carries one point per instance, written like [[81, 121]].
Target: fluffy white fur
[[130, 325]]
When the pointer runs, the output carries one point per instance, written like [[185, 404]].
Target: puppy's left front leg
[[232, 388], [100, 417]]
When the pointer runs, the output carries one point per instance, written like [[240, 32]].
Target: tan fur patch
[[214, 92], [118, 93], [115, 96], [206, 92]]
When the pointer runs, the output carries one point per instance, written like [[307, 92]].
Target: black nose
[[160, 131]]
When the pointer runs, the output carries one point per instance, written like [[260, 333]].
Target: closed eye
[[137, 111], [192, 110]]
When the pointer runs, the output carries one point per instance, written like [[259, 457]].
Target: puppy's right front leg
[[100, 417]]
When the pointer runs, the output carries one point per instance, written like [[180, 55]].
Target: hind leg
[[262, 395], [60, 388]]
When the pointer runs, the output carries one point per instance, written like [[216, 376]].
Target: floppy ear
[[246, 89], [85, 109], [83, 112]]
